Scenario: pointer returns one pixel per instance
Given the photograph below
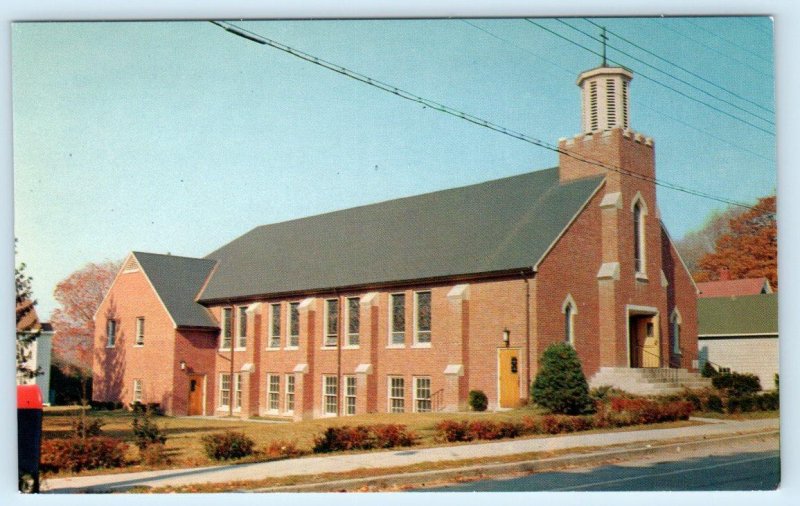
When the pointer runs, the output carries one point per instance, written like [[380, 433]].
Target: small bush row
[[736, 384], [78, 454], [769, 401], [645, 411], [363, 438], [453, 431]]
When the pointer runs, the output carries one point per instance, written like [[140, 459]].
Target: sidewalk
[[393, 458]]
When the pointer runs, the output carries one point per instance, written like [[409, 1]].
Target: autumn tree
[[698, 243], [28, 328], [749, 249], [80, 295]]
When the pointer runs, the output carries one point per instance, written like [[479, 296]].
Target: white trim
[[734, 336], [344, 395], [241, 310], [640, 310], [221, 406], [675, 340], [566, 227], [325, 414], [638, 201], [389, 393], [136, 343], [325, 317], [141, 391], [346, 320], [363, 369], [611, 200], [270, 335], [414, 397], [609, 270], [269, 392], [415, 316], [454, 369], [289, 324], [390, 327], [286, 393], [570, 302]]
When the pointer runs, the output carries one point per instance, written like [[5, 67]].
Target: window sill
[[138, 345], [291, 348], [421, 345], [351, 347], [110, 346], [239, 349], [395, 346], [273, 348], [641, 276], [329, 347]]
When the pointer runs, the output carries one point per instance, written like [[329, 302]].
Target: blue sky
[[178, 136]]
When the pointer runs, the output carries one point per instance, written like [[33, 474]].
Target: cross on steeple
[[605, 39]]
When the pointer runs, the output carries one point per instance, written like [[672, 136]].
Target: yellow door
[[651, 349], [508, 371]]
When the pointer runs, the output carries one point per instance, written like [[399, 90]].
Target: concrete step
[[649, 381]]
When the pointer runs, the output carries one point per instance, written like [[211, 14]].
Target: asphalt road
[[738, 471]]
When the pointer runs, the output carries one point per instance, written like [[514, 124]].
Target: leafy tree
[[749, 249], [28, 328], [80, 294], [560, 384], [698, 243]]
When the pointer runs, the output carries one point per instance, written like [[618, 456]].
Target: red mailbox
[[29, 436]]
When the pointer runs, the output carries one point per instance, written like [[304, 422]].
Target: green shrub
[[560, 384], [708, 371], [145, 430], [714, 403], [694, 399], [769, 401], [227, 445], [477, 400], [736, 384], [84, 426], [76, 454]]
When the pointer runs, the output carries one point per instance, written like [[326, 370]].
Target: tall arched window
[[570, 310], [675, 320], [639, 212]]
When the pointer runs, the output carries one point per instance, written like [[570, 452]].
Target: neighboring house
[[407, 305], [727, 287], [740, 334], [40, 350]]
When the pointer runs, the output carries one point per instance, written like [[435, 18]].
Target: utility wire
[[766, 120], [732, 43], [726, 113], [254, 37], [740, 62], [620, 37], [638, 102]]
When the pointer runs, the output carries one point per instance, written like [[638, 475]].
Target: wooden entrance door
[[195, 394], [508, 373], [645, 338]]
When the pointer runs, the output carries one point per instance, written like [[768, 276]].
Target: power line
[[726, 113], [657, 111], [259, 39], [740, 62], [682, 68], [665, 72], [732, 43]]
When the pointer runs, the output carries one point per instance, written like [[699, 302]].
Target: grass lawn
[[184, 446]]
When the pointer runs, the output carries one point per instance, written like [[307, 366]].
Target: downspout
[[233, 380], [339, 392]]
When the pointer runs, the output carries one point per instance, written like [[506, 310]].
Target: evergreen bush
[[708, 371], [737, 384], [145, 430], [560, 384], [477, 400]]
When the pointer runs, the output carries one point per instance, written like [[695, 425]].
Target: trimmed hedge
[[736, 384], [454, 431], [362, 437]]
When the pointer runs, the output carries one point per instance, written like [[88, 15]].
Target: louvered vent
[[611, 104], [131, 265], [593, 105]]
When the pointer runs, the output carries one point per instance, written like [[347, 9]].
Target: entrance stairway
[[648, 381]]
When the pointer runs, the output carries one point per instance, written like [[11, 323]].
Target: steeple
[[604, 93]]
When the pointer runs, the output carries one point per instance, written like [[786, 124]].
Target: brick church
[[407, 305]]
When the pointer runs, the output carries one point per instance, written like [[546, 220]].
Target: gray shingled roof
[[732, 316], [177, 280], [489, 227]]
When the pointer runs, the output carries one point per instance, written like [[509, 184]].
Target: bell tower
[[604, 97]]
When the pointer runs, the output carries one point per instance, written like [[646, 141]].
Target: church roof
[[491, 227], [177, 281]]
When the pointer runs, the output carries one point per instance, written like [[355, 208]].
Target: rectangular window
[[111, 333], [422, 395], [242, 328], [398, 319], [397, 394], [238, 391], [294, 324], [330, 393], [290, 393], [331, 322], [273, 391], [275, 326], [226, 327], [349, 395], [353, 321], [137, 390], [423, 318], [140, 331], [224, 390]]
